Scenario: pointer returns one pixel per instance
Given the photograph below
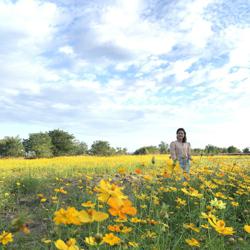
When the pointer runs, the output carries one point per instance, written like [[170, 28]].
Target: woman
[[180, 150]]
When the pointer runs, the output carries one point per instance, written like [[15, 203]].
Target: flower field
[[124, 202]]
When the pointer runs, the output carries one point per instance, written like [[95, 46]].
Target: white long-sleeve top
[[180, 149]]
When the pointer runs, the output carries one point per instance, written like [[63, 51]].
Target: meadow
[[124, 202]]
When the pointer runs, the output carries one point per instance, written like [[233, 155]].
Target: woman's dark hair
[[185, 137]]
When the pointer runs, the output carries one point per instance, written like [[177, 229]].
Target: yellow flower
[[46, 241], [235, 204], [192, 192], [193, 242], [69, 245], [6, 237], [68, 216], [92, 215], [220, 195], [133, 244], [108, 191], [192, 227], [121, 210], [247, 228], [60, 190], [218, 204], [88, 204], [180, 202], [111, 239], [90, 241], [219, 226]]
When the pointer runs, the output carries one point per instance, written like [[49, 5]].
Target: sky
[[127, 72]]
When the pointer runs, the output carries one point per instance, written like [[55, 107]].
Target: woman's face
[[180, 135]]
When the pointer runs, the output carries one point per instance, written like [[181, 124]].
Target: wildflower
[[69, 245], [88, 204], [192, 192], [68, 216], [136, 220], [149, 235], [218, 204], [205, 226], [133, 244], [25, 229], [45, 241], [180, 202], [192, 227], [6, 237], [60, 190], [193, 242], [247, 228], [235, 204], [108, 191], [92, 215], [90, 241], [121, 210], [111, 239], [138, 171], [220, 195], [121, 171], [114, 228], [219, 226]]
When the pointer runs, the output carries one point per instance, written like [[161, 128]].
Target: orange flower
[[121, 210], [138, 171]]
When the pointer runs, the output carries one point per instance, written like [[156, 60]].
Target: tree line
[[60, 143]]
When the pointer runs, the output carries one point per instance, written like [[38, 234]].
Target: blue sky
[[129, 72]]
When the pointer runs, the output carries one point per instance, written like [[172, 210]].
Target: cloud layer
[[127, 72]]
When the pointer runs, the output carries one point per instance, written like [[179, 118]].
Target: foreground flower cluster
[[146, 206]]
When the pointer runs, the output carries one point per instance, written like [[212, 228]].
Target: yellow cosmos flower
[[133, 244], [180, 202], [218, 203], [235, 204], [219, 226], [60, 190], [193, 242], [247, 228], [69, 245], [192, 192], [121, 210], [107, 191], [90, 241], [6, 237], [68, 216], [92, 215], [111, 239], [88, 204], [192, 227]]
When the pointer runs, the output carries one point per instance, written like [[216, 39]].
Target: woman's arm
[[189, 151], [172, 151]]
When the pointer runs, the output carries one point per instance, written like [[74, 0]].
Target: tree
[[80, 148], [11, 147], [210, 149], [121, 151], [101, 148], [147, 150], [232, 150], [163, 147], [62, 142], [40, 144], [246, 151]]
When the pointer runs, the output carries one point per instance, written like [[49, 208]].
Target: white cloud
[[120, 71]]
